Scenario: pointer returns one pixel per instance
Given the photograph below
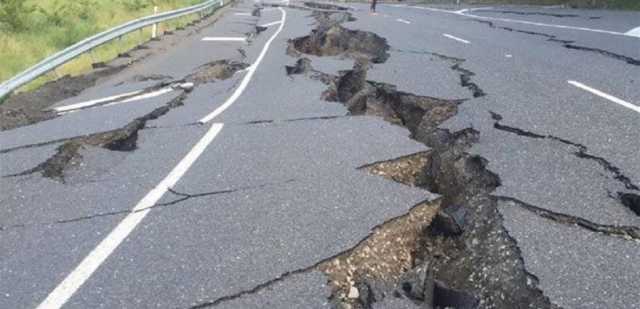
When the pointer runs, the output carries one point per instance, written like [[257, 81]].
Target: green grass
[[36, 29]]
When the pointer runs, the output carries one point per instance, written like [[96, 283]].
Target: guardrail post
[[154, 32]]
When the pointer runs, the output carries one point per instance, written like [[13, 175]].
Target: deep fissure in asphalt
[[628, 199], [566, 43], [468, 251], [125, 138]]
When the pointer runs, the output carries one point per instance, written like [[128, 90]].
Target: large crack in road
[[125, 139], [467, 259], [461, 249], [569, 44]]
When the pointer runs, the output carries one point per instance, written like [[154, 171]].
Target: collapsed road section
[[459, 256]]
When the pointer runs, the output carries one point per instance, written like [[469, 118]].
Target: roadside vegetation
[[31, 30]]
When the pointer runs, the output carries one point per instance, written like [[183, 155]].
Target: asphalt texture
[[279, 190]]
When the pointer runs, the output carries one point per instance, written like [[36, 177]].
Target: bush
[[15, 15], [135, 5], [64, 12]]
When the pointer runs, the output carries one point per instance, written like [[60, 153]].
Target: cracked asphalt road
[[279, 189]]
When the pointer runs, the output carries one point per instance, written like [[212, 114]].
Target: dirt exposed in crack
[[466, 255], [325, 6], [407, 170], [567, 43], [331, 39], [363, 97], [384, 256], [123, 139], [216, 70]]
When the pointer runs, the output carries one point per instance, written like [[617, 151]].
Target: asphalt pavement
[[232, 197]]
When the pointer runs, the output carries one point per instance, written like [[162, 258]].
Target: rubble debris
[[479, 258], [337, 40], [216, 70]]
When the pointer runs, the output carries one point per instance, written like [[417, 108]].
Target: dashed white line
[[609, 97], [456, 38], [247, 78], [403, 21], [242, 14], [270, 24], [224, 39], [61, 294]]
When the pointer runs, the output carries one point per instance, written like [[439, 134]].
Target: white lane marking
[[86, 104], [143, 96], [609, 97], [242, 14], [456, 38], [61, 294], [270, 24], [247, 78], [121, 98], [508, 55], [403, 21], [509, 20], [634, 32], [224, 39]]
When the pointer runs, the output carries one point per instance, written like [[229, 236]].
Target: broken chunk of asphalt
[[216, 70], [483, 260], [336, 40], [448, 221], [123, 139], [325, 6], [465, 74], [627, 232], [31, 107], [581, 151], [567, 43]]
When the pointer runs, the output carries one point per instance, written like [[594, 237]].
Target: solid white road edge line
[[270, 24], [143, 96], [464, 13], [635, 32], [247, 78], [61, 294], [456, 38], [86, 104], [609, 97], [224, 39]]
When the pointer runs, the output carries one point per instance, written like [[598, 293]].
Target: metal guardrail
[[87, 44]]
